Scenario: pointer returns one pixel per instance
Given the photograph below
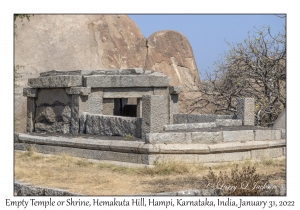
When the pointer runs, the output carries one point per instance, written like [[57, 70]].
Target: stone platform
[[139, 152]]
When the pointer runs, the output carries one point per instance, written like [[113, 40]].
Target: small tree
[[255, 68]]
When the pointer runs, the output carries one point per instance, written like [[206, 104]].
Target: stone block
[[179, 148], [180, 118], [52, 127], [126, 92], [52, 97], [59, 72], [31, 108], [277, 143], [106, 81], [237, 146], [245, 110], [113, 125], [95, 99], [261, 135], [228, 122], [267, 153], [204, 118], [80, 104], [52, 114], [155, 114], [79, 90], [175, 89], [242, 135], [108, 106], [167, 138], [206, 137], [191, 126], [30, 92], [225, 157], [55, 81]]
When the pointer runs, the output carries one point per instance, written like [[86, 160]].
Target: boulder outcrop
[[170, 52]]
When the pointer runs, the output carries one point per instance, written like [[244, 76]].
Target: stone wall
[[198, 118], [109, 125]]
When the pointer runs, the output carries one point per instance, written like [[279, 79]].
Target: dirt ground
[[88, 177]]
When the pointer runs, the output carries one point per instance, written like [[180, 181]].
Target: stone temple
[[78, 112]]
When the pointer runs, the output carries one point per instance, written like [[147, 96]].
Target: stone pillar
[[155, 114], [108, 106], [245, 110], [164, 91], [139, 107], [31, 94], [96, 101], [174, 91]]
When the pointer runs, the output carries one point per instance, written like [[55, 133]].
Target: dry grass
[[95, 178]]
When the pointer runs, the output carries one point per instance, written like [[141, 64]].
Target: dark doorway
[[122, 108]]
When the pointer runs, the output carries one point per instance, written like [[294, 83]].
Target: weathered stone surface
[[96, 101], [245, 110], [267, 135], [267, 153], [126, 92], [31, 107], [80, 104], [175, 89], [30, 92], [206, 137], [168, 138], [107, 81], [198, 118], [190, 126], [51, 96], [239, 146], [224, 157], [171, 53], [228, 122], [280, 122], [52, 127], [51, 114], [243, 135], [55, 81], [76, 42], [79, 90], [58, 72], [113, 125], [108, 106], [155, 114]]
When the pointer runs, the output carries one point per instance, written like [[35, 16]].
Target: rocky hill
[[92, 42]]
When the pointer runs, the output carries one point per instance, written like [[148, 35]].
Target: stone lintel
[[56, 81], [115, 81], [79, 91], [30, 92], [127, 92], [59, 72], [175, 89]]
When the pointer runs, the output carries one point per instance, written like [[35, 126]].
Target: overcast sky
[[207, 33]]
